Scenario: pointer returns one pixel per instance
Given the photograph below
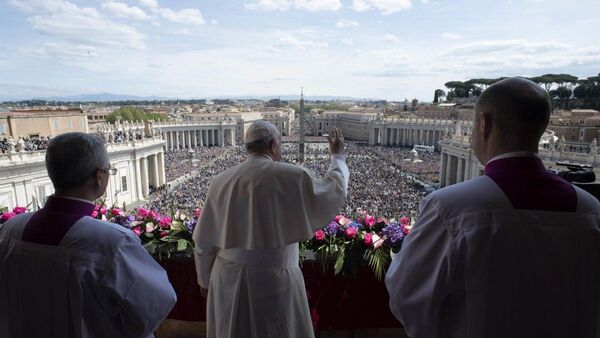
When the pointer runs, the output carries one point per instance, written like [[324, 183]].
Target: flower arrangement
[[349, 242], [160, 234], [6, 214]]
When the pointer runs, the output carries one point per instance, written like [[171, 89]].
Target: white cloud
[[152, 4], [121, 9], [80, 25], [343, 23], [347, 41], [451, 36], [182, 31], [505, 46], [318, 5], [292, 41], [65, 51], [384, 6], [269, 5], [391, 38], [185, 16], [284, 5], [214, 22]]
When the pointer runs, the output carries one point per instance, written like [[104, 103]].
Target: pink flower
[[337, 218], [95, 213], [404, 221], [370, 221], [154, 215], [19, 210], [320, 235], [165, 221], [368, 239], [115, 212], [7, 215], [350, 232], [143, 213], [102, 211], [163, 234], [137, 231], [197, 212]]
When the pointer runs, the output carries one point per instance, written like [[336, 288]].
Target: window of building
[[70, 124], [2, 128], [56, 124], [124, 186]]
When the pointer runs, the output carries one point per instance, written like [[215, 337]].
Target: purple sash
[[529, 185], [51, 223]]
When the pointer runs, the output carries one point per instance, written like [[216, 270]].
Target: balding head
[[512, 115]]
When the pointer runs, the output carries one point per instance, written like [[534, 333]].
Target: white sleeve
[[139, 292], [420, 276], [204, 257]]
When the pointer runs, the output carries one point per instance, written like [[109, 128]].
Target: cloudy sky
[[388, 49]]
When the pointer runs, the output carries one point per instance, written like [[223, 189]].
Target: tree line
[[562, 88], [134, 114]]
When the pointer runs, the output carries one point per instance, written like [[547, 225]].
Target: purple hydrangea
[[355, 225], [332, 229], [394, 233]]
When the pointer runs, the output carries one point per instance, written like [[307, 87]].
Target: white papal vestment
[[246, 245], [99, 282], [475, 266]]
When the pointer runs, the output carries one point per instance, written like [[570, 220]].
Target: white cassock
[[474, 266], [247, 245], [99, 282]]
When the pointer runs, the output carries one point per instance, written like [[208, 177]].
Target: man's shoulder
[[105, 230], [475, 194], [586, 202]]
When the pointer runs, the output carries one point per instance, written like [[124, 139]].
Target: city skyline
[[388, 49]]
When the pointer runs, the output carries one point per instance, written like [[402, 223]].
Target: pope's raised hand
[[336, 143]]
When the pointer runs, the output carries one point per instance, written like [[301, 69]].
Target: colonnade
[[150, 171], [193, 138], [410, 136]]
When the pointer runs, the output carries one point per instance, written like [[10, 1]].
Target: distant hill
[[104, 97]]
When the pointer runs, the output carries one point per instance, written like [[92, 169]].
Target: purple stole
[[529, 185], [51, 223]]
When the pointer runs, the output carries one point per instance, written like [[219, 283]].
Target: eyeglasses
[[111, 171]]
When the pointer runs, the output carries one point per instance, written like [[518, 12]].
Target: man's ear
[[98, 177], [486, 125]]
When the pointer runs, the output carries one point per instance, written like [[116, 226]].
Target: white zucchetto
[[259, 130]]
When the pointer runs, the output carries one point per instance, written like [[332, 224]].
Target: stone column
[[205, 138], [460, 172], [443, 166], [162, 178], [155, 171], [176, 140], [451, 170], [144, 176], [195, 138], [211, 137], [138, 179], [170, 143]]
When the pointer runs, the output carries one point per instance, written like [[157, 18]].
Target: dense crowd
[[29, 144], [181, 162], [384, 181], [191, 193]]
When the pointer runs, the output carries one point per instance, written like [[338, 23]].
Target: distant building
[[36, 123], [578, 126]]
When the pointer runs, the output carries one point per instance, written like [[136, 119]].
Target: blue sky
[[388, 49]]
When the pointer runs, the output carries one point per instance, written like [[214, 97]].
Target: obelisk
[[301, 129]]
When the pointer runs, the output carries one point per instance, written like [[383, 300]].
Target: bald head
[[518, 107]]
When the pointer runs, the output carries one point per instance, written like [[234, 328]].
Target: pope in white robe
[[247, 239], [513, 253]]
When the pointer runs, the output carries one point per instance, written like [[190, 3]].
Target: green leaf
[[339, 262], [181, 245]]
